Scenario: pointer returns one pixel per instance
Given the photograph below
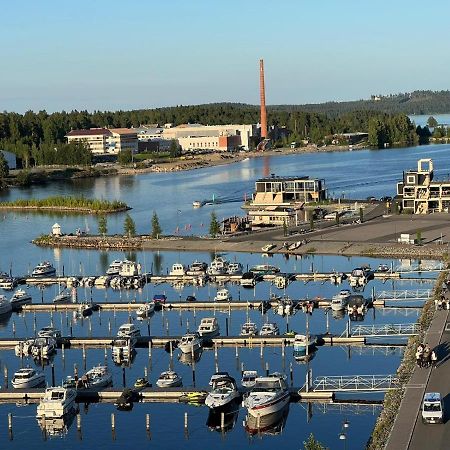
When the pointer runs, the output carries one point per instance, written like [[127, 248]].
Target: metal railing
[[407, 294], [360, 383], [391, 329]]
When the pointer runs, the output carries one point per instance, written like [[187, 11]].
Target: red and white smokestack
[[262, 94]]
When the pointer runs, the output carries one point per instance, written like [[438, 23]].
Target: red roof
[[90, 132]]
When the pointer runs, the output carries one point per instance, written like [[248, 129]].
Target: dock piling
[[53, 375], [291, 374], [226, 325], [267, 368], [109, 326], [106, 354], [147, 423], [5, 375], [186, 423], [79, 422], [90, 327], [261, 352], [124, 381], [113, 426], [222, 421], [242, 368], [14, 328]]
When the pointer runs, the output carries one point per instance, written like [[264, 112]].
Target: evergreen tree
[[4, 171], [174, 149], [313, 444], [102, 225], [156, 227], [214, 226], [129, 227], [432, 122], [124, 157]]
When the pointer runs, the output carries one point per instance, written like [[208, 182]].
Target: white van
[[432, 408]]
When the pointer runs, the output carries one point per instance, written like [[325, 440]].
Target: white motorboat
[[20, 298], [223, 295], [43, 269], [339, 301], [23, 348], [5, 305], [114, 267], [268, 396], [27, 378], [356, 307], [285, 306], [128, 330], [360, 276], [269, 424], [97, 377], [145, 310], [268, 247], [57, 402], [281, 281], [62, 297], [8, 284], [249, 329], [218, 266], [190, 343], [169, 379], [177, 270], [208, 328], [383, 268], [130, 269], [303, 342], [235, 268], [43, 347], [49, 332], [223, 392], [197, 204], [197, 268], [264, 269], [269, 329], [248, 279], [249, 378]]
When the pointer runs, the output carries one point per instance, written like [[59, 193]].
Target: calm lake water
[[355, 174]]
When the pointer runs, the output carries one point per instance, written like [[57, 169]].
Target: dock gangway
[[404, 294], [391, 329], [353, 383]]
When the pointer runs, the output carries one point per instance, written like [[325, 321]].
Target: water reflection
[[270, 424], [56, 427], [4, 320], [214, 420], [189, 358]]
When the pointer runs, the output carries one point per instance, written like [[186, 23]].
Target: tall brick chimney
[[262, 94]]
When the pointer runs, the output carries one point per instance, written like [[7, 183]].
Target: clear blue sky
[[111, 54]]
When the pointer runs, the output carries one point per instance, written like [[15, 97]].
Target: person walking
[[433, 359]]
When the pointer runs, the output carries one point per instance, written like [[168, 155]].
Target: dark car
[[386, 199], [191, 298]]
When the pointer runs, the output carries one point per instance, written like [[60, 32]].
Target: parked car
[[432, 408], [386, 198]]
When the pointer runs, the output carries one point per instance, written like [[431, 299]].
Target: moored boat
[[223, 295], [302, 343], [208, 328], [43, 269], [57, 402], [20, 298], [269, 329], [27, 378], [145, 310], [169, 379], [97, 377], [249, 329], [339, 301], [224, 391], [249, 378], [5, 305], [190, 343]]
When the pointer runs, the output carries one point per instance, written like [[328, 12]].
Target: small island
[[80, 205]]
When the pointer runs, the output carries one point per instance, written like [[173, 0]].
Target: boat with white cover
[[269, 395], [224, 391], [57, 402], [190, 343], [49, 332], [269, 329], [43, 269], [208, 328], [197, 268], [114, 267], [20, 298], [27, 377], [128, 330], [340, 301], [303, 342], [249, 329], [223, 295], [97, 377], [169, 379], [177, 270]]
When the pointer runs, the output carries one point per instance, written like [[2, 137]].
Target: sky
[[115, 54]]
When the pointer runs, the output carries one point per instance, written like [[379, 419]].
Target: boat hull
[[31, 383], [270, 407]]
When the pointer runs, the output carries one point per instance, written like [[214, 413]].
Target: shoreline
[[62, 209]]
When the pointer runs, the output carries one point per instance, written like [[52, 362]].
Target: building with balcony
[[419, 193]]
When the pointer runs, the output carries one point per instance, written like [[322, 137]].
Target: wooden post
[[106, 354], [53, 375], [109, 326], [10, 425], [261, 350], [226, 325], [34, 323], [267, 368], [291, 374], [222, 420], [63, 350], [147, 423], [242, 368], [113, 426], [90, 327], [186, 423], [124, 382], [236, 353]]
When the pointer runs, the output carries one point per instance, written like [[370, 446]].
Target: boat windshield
[[58, 395], [267, 386]]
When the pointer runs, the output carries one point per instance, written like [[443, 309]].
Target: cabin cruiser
[[269, 395], [23, 348], [5, 305], [248, 279], [177, 270], [249, 378], [27, 378], [197, 268], [356, 307], [128, 330], [62, 297], [285, 306], [43, 347], [169, 379], [281, 281], [19, 298], [339, 301], [130, 269], [102, 281], [360, 276], [269, 329], [223, 295], [114, 267], [218, 266], [57, 402], [197, 204], [43, 269], [223, 392], [249, 329], [49, 332], [235, 268], [302, 343], [264, 269], [190, 343], [208, 328], [97, 377], [8, 284], [145, 310]]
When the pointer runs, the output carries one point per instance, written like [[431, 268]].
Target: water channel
[[356, 174]]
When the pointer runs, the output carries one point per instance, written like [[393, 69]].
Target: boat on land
[[57, 402], [224, 392], [208, 328], [27, 377], [269, 395], [169, 379], [20, 298], [43, 269], [190, 343]]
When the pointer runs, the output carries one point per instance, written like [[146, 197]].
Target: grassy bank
[[393, 398], [59, 203]]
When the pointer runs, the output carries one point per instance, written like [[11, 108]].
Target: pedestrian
[[433, 359]]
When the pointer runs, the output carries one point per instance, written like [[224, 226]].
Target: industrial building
[[103, 141], [279, 200], [419, 193]]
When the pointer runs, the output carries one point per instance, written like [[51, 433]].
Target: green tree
[[4, 171], [214, 226], [129, 227], [432, 122], [361, 215], [313, 444], [124, 157], [102, 225], [156, 227], [24, 178], [174, 149]]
